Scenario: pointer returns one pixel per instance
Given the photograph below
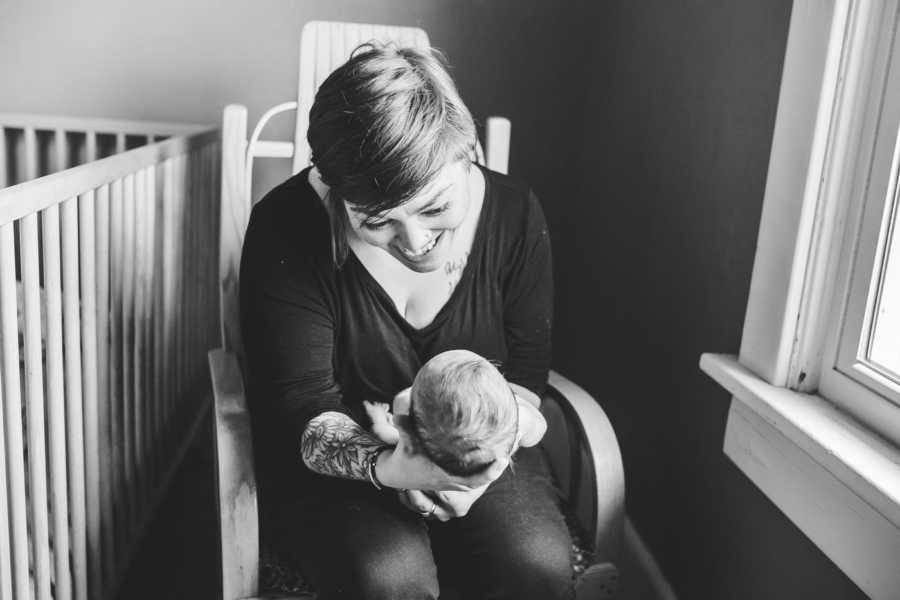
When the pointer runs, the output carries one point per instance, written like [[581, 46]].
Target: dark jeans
[[357, 543]]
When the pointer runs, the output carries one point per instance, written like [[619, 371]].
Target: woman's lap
[[355, 542]]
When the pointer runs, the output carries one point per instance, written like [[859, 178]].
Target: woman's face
[[419, 233]]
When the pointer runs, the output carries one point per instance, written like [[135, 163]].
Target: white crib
[[108, 303]]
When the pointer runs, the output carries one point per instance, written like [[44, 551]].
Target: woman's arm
[[334, 444], [527, 285]]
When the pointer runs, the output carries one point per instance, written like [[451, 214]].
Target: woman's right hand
[[406, 467]]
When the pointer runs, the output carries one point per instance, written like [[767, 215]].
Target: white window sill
[[838, 482]]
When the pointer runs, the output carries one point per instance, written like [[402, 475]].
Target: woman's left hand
[[441, 505]]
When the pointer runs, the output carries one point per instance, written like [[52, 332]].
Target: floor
[[178, 558]]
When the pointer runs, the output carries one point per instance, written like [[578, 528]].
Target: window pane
[[885, 341]]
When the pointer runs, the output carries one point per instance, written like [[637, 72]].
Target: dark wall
[[653, 261]]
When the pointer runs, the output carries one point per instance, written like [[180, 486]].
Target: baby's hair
[[464, 415]]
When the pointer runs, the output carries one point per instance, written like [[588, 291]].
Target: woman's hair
[[464, 415], [382, 126]]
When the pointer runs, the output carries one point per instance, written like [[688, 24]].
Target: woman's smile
[[413, 233], [416, 255]]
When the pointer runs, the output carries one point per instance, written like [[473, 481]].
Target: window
[[861, 352], [815, 413]]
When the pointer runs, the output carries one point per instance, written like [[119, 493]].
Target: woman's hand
[[406, 467], [444, 505]]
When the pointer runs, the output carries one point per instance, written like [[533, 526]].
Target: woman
[[393, 248]]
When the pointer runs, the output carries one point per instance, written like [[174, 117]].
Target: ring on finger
[[430, 511]]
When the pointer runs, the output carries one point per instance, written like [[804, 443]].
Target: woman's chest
[[379, 353]]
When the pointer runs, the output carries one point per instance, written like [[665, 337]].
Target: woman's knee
[[537, 570], [403, 573]]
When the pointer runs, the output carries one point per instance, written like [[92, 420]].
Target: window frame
[[824, 463]]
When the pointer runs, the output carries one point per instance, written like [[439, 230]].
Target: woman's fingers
[[426, 506]]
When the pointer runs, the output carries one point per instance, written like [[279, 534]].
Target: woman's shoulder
[[513, 206], [291, 217]]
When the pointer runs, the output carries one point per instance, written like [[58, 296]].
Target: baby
[[463, 414]]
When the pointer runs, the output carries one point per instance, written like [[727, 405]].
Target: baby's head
[[463, 412]]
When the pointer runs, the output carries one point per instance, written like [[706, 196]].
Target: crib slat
[[168, 301], [181, 189], [162, 197], [56, 408], [138, 357], [120, 500], [4, 176], [31, 154], [12, 407], [127, 352], [120, 143], [150, 326], [34, 393], [92, 446], [5, 547], [90, 146], [74, 399], [193, 271], [61, 161], [146, 219], [104, 408]]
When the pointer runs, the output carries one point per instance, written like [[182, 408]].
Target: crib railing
[[35, 145], [103, 378]]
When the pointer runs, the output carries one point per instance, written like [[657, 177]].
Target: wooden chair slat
[[305, 93]]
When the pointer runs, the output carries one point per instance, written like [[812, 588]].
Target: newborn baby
[[463, 414]]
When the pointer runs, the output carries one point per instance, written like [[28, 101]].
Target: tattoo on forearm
[[334, 444], [454, 269]]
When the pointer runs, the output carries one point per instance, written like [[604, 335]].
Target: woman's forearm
[[334, 444]]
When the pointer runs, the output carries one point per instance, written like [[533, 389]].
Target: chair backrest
[[326, 45]]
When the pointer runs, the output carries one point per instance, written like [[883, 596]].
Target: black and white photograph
[[449, 299]]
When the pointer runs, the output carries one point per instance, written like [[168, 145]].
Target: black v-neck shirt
[[320, 338]]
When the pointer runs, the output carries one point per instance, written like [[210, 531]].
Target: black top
[[320, 338]]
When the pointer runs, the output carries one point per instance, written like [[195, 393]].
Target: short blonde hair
[[463, 413]]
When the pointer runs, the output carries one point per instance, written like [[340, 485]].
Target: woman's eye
[[433, 212], [373, 225]]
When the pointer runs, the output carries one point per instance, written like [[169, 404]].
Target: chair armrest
[[597, 475], [235, 479]]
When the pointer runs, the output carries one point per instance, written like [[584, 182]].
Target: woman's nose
[[413, 237]]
